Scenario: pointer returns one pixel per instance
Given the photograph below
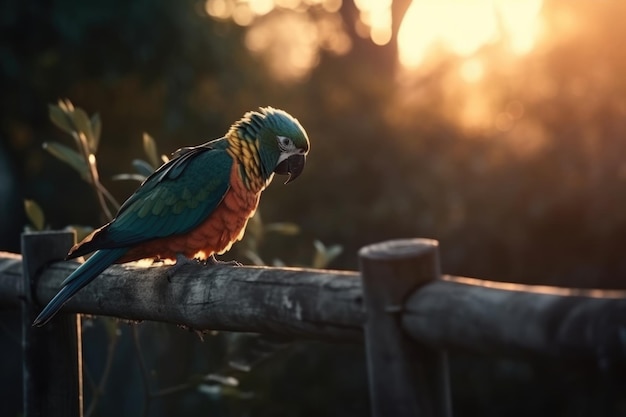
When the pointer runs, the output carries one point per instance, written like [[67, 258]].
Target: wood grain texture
[[52, 355], [324, 305], [401, 372], [453, 313], [518, 320]]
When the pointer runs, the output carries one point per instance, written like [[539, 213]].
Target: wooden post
[[52, 355], [405, 379]]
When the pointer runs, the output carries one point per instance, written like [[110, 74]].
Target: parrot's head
[[281, 141]]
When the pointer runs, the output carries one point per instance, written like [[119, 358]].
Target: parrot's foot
[[181, 260], [212, 261]]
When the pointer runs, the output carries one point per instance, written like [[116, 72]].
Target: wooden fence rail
[[399, 305]]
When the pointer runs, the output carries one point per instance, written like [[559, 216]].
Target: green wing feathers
[[173, 200]]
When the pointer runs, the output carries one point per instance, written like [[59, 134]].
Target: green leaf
[[142, 167], [60, 118], [96, 129], [323, 255], [226, 380], [74, 120], [149, 146], [70, 157], [81, 231], [66, 105], [254, 258], [217, 391], [334, 251], [133, 177], [289, 229], [279, 263], [34, 214], [83, 125]]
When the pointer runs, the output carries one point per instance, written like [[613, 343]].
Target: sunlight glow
[[289, 44], [243, 12], [462, 27], [261, 7], [472, 70], [538, 289], [220, 9], [375, 18], [288, 4], [286, 35]]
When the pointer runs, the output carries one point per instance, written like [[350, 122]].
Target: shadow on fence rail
[[399, 305]]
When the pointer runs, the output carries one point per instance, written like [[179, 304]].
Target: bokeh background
[[497, 127]]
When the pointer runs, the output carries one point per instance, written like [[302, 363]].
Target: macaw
[[197, 204]]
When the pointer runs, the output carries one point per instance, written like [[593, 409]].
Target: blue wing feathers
[[188, 189], [203, 169], [82, 276]]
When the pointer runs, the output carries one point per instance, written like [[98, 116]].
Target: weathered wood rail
[[399, 305]]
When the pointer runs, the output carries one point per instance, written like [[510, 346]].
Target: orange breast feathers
[[215, 235]]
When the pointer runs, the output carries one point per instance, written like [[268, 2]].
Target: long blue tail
[[82, 276]]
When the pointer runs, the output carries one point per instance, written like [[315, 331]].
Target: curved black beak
[[292, 166]]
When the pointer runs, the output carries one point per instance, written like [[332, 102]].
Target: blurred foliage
[[519, 173], [35, 214]]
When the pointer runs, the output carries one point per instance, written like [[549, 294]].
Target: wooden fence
[[399, 305]]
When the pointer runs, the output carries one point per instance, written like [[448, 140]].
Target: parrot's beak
[[292, 166]]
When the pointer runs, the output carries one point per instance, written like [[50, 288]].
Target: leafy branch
[[86, 133]]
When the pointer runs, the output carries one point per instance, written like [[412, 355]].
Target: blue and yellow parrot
[[197, 204]]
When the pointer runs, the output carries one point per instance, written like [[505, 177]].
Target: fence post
[[52, 355], [405, 379]]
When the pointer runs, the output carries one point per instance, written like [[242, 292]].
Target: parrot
[[195, 205]]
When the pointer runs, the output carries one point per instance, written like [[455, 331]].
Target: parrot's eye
[[285, 142]]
